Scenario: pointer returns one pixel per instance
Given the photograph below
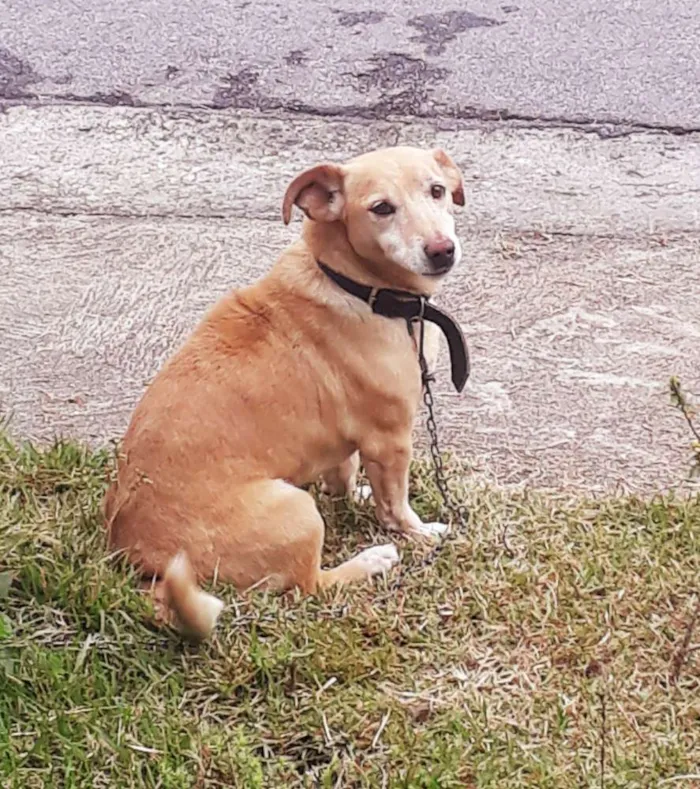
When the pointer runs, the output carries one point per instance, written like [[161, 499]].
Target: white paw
[[380, 559], [434, 529], [362, 493]]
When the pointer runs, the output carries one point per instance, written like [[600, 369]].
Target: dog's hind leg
[[290, 533], [342, 480], [377, 560], [273, 540]]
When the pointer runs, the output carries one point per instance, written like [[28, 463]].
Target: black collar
[[411, 307]]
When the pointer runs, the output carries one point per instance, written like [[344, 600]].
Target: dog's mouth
[[434, 273]]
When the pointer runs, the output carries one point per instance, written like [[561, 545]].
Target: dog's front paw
[[434, 529], [379, 560]]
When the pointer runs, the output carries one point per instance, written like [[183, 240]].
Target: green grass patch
[[491, 668]]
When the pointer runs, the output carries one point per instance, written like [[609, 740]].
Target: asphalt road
[[630, 60]]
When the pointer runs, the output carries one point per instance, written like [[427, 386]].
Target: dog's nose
[[441, 255]]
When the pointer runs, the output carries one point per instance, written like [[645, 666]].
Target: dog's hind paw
[[379, 559]]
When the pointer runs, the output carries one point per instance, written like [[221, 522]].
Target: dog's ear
[[318, 192], [453, 175]]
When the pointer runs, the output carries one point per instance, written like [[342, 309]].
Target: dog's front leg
[[387, 470]]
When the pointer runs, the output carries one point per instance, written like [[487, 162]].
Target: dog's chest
[[381, 371]]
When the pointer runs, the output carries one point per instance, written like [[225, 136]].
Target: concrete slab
[[579, 291], [143, 162]]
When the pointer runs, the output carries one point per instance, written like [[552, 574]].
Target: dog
[[287, 381]]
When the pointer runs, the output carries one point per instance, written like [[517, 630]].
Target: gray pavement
[[579, 291], [145, 147]]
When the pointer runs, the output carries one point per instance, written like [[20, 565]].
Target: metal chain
[[457, 513]]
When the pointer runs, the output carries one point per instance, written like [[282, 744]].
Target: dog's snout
[[440, 254]]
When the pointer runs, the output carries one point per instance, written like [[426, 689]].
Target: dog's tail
[[195, 609]]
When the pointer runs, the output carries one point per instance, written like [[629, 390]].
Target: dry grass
[[491, 669]]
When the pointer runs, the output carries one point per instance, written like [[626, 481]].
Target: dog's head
[[395, 205]]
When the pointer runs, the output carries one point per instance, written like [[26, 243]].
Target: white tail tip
[[196, 610]]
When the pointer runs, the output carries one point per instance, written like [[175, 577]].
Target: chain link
[[457, 514]]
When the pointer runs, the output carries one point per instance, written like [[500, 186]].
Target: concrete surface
[[579, 292], [635, 61]]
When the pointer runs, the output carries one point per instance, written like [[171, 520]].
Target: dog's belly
[[309, 469]]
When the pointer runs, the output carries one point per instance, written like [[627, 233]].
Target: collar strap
[[411, 307]]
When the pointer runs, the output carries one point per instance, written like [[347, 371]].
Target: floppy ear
[[318, 192], [453, 175]]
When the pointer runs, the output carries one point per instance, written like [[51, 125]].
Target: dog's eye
[[437, 191], [383, 208]]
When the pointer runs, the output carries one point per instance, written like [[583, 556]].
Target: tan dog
[[286, 381]]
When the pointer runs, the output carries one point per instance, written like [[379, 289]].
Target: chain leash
[[457, 514]]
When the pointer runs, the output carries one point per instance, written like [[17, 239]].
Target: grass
[[552, 635]]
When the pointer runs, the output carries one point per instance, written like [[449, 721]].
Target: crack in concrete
[[606, 127], [128, 215], [382, 110], [537, 234], [543, 235]]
